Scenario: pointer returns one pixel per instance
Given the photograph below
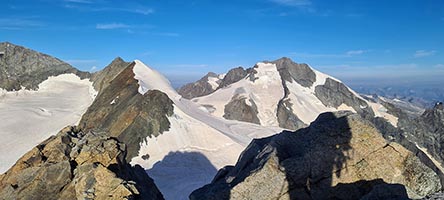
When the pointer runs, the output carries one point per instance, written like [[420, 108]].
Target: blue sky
[[384, 41]]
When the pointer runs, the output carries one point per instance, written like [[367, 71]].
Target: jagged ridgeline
[[22, 67], [341, 145], [77, 165], [339, 156], [126, 114]]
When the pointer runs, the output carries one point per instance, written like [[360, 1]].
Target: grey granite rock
[[291, 71], [233, 76], [77, 165], [22, 67], [427, 131], [103, 77], [238, 109], [339, 156], [124, 113], [334, 93], [198, 88]]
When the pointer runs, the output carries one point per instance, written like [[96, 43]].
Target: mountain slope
[[102, 78], [427, 132], [285, 94], [58, 96], [202, 87], [22, 67], [165, 132], [339, 156]]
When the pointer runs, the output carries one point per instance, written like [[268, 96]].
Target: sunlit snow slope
[[196, 145], [29, 117], [266, 87]]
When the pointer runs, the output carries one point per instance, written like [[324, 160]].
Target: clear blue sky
[[355, 40]]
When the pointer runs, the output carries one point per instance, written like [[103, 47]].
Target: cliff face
[[340, 155], [104, 77], [427, 131], [22, 67], [126, 114], [77, 165]]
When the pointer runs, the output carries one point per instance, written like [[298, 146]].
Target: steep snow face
[[304, 102], [215, 81], [167, 156], [196, 145], [29, 117], [150, 79], [265, 91]]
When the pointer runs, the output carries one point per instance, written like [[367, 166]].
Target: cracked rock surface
[[74, 165], [339, 156]]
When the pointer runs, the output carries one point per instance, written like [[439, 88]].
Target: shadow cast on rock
[[299, 165]]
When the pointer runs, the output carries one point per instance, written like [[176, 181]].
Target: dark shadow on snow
[[179, 173]]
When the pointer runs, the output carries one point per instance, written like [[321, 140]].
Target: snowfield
[[265, 91], [29, 117], [197, 144], [200, 141]]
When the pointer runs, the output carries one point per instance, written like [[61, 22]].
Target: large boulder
[[75, 165], [339, 156]]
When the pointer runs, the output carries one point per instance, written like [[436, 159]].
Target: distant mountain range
[[278, 130]]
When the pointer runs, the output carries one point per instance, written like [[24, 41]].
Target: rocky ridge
[[205, 85], [427, 131], [279, 93], [102, 78], [124, 113], [340, 155], [22, 67], [77, 165]]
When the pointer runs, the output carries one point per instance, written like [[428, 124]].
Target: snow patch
[[193, 131], [266, 91], [381, 111], [306, 105], [426, 152], [114, 100], [29, 117], [213, 82]]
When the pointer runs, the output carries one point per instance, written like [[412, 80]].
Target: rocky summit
[[22, 67], [277, 93], [77, 165], [124, 113], [342, 145], [339, 156]]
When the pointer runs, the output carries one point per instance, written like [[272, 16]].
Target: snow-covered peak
[[150, 79]]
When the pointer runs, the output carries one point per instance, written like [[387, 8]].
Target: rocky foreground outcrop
[[75, 165], [339, 156]]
